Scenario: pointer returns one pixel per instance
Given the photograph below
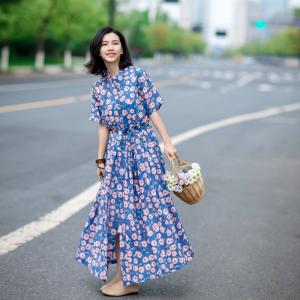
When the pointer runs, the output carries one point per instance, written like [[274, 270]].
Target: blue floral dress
[[133, 198]]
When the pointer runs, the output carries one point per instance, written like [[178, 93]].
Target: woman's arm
[[103, 135], [169, 149]]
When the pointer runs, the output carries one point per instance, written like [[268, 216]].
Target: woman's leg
[[117, 252]]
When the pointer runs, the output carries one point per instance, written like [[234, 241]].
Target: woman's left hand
[[170, 150]]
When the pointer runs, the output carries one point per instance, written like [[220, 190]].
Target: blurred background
[[36, 34], [228, 72]]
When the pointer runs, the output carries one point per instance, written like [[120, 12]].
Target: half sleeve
[[150, 95], [96, 114]]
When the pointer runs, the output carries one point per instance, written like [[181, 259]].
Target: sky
[[293, 3]]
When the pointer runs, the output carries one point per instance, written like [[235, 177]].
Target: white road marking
[[85, 97], [273, 77], [228, 75], [245, 79], [264, 87], [30, 231], [200, 84], [65, 83], [43, 103]]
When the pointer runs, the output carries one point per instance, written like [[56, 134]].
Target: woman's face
[[111, 48]]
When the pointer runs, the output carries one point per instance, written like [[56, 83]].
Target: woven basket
[[193, 192]]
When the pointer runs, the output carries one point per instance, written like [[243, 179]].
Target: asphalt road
[[245, 232]]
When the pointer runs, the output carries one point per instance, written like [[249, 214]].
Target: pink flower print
[[148, 267], [154, 243], [145, 259], [115, 91], [144, 243], [153, 192], [155, 227], [124, 112], [185, 248], [175, 260], [172, 247], [169, 240], [149, 233]]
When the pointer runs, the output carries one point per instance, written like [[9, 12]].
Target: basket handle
[[181, 162]]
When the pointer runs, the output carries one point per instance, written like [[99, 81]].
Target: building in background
[[224, 24], [187, 14]]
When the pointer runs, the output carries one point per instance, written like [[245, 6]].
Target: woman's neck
[[113, 69]]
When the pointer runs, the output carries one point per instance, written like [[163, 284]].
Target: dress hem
[[156, 276]]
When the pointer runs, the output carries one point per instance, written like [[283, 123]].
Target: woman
[[133, 221]]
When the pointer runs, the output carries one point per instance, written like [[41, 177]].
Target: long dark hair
[[96, 64]]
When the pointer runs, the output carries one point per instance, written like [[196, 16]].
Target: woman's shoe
[[114, 280], [118, 289]]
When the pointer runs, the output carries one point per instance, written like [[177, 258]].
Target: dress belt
[[127, 132], [129, 129]]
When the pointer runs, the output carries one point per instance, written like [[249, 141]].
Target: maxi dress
[[133, 198]]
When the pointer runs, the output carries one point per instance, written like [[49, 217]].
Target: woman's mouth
[[110, 54]]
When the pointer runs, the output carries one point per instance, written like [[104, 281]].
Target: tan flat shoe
[[118, 289], [109, 284]]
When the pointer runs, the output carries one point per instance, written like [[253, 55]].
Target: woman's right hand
[[100, 171]]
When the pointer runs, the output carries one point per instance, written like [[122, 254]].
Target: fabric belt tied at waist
[[127, 132]]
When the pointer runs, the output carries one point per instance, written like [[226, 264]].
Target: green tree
[[7, 24], [75, 21]]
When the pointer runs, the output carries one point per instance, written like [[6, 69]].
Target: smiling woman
[[109, 53], [133, 220]]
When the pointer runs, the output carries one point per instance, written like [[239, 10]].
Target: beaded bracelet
[[100, 160]]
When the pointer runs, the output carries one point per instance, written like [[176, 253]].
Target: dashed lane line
[[28, 232], [85, 97]]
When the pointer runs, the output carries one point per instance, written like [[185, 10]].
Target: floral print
[[133, 197]]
